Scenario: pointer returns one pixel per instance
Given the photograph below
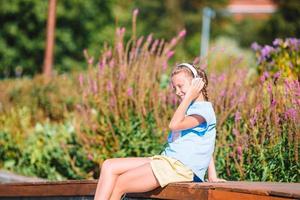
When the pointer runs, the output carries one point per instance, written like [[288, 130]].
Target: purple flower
[[277, 42], [291, 113], [266, 52], [277, 75], [293, 43], [255, 46]]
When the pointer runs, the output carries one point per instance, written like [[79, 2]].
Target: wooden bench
[[203, 191]]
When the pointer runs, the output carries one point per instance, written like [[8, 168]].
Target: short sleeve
[[202, 109]]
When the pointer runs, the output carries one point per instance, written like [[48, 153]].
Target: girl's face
[[181, 83]]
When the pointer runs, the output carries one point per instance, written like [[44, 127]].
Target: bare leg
[[110, 170], [139, 179]]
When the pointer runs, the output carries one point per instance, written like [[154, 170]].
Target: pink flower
[[108, 54], [121, 76], [253, 120], [100, 66], [170, 54], [291, 113], [149, 38], [154, 46], [221, 78], [139, 42], [80, 79], [130, 91], [95, 87], [112, 102], [262, 79], [269, 88], [173, 42], [136, 12], [258, 108], [123, 29], [109, 86], [239, 152], [277, 75], [164, 65], [182, 33], [222, 93], [112, 63], [237, 117], [90, 157], [90, 61], [242, 98], [235, 132], [266, 74], [273, 102]]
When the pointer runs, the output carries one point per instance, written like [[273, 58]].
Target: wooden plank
[[63, 188], [175, 191], [226, 195], [289, 190]]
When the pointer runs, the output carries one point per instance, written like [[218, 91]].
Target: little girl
[[190, 145]]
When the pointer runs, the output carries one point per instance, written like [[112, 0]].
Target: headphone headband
[[191, 67]]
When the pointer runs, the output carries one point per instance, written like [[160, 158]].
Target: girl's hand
[[216, 180], [195, 88]]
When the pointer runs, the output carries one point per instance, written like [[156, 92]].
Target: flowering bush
[[125, 96], [121, 107], [283, 57]]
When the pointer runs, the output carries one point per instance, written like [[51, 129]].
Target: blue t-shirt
[[195, 146]]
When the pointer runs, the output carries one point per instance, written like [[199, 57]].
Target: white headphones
[[191, 67]]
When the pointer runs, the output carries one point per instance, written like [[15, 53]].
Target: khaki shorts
[[169, 170]]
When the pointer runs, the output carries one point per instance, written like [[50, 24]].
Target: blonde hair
[[200, 72]]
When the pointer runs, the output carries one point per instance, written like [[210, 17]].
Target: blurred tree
[[284, 23], [80, 24], [87, 24]]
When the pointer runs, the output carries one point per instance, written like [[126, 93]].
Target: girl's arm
[[179, 121], [212, 174]]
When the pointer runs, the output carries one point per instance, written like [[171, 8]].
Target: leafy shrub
[[282, 57]]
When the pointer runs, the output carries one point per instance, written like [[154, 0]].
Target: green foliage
[[284, 23], [49, 151]]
